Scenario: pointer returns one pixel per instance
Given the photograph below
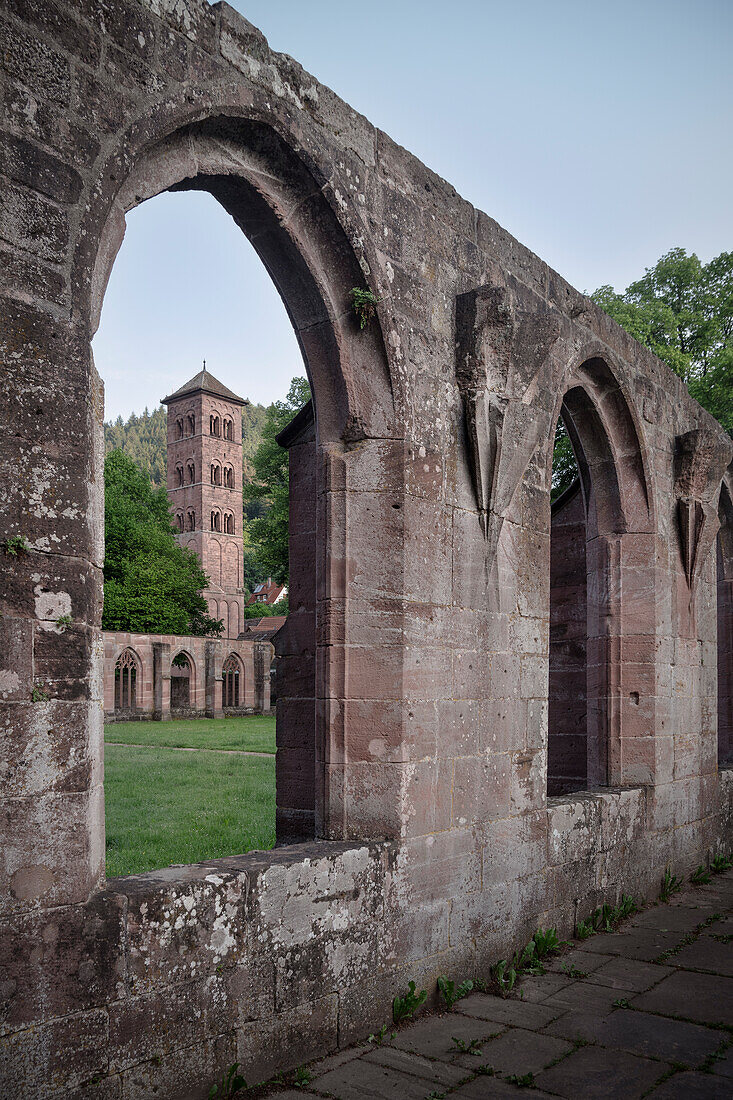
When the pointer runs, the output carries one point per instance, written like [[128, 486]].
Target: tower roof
[[204, 381]]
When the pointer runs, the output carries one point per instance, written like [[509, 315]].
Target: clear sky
[[599, 134]]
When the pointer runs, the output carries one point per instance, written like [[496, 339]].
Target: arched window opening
[[216, 521], [230, 682], [229, 477], [191, 423], [215, 473], [724, 593], [126, 683], [567, 746], [190, 520], [179, 520], [228, 428], [228, 523], [214, 426], [191, 472], [179, 477], [179, 428], [181, 671]]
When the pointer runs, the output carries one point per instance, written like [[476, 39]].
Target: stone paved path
[[651, 1015]]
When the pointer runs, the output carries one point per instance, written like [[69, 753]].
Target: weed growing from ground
[[671, 884], [526, 1081], [467, 1046], [700, 877], [452, 993], [230, 1084], [573, 972], [302, 1077], [718, 864], [378, 1037], [404, 1008], [16, 546]]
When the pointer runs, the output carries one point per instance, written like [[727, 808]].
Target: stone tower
[[205, 487]]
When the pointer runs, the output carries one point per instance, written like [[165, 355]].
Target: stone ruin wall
[[436, 849]]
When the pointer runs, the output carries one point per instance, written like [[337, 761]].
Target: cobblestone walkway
[[648, 1013]]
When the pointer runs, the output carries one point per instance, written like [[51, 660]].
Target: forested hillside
[[143, 439]]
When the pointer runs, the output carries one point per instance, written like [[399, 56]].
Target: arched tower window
[[230, 682], [191, 423], [214, 425], [228, 428], [229, 477], [126, 682], [181, 675], [216, 521], [228, 523], [179, 476], [215, 473], [190, 520], [179, 520], [179, 428], [191, 472]]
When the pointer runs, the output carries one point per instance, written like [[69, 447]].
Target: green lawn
[[252, 732], [165, 807]]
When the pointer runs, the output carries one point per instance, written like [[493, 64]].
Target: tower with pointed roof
[[205, 487]]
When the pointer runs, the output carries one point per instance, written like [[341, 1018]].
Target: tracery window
[[126, 682], [230, 674]]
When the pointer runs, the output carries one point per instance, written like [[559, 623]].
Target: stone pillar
[[262, 660], [161, 681], [212, 688]]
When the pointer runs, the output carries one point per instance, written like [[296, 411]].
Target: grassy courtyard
[[166, 806]]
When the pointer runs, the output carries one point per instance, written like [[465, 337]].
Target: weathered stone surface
[[427, 657], [594, 1072]]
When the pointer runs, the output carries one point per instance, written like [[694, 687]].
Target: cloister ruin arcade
[[417, 835]]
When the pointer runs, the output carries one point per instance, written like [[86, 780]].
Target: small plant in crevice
[[452, 993], [38, 695], [64, 621], [622, 1002], [547, 943], [378, 1037], [467, 1046], [505, 976], [583, 930], [16, 546], [404, 1008], [670, 885], [701, 876], [486, 1070], [302, 1077], [726, 937], [435, 1095], [231, 1083], [718, 864], [523, 1081], [364, 304], [574, 972]]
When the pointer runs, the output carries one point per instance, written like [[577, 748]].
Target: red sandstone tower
[[205, 487]]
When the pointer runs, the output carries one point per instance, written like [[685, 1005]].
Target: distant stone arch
[[232, 682], [182, 681], [127, 670]]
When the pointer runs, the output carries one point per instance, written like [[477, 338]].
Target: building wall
[[206, 656], [438, 849]]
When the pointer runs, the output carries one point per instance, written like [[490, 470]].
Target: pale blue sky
[[599, 134]]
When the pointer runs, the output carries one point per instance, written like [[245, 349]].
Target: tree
[[268, 533], [152, 585]]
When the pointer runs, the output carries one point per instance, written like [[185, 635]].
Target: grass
[[251, 732], [165, 807]]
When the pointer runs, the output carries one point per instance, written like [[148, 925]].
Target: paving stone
[[640, 1033], [692, 1086], [638, 943], [724, 1068], [585, 958], [588, 997], [632, 974], [667, 918], [538, 989], [704, 998], [340, 1058], [416, 1065], [597, 1074], [493, 1088], [507, 1011], [519, 1051], [362, 1080], [706, 954], [290, 1094], [433, 1037]]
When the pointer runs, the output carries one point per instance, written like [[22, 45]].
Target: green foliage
[[505, 975], [583, 930], [378, 1037], [546, 943], [522, 1081], [302, 1077], [467, 1046], [701, 876], [364, 305], [266, 610], [671, 884], [64, 621], [683, 311], [622, 1002], [38, 695], [721, 863], [574, 972], [152, 585], [403, 1008], [230, 1084], [268, 533], [16, 546], [564, 466], [451, 993]]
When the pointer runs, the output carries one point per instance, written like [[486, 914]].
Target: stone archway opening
[[724, 603], [181, 683]]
